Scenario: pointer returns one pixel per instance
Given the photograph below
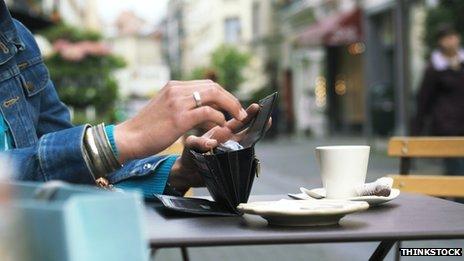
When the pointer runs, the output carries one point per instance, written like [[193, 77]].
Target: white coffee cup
[[343, 169]]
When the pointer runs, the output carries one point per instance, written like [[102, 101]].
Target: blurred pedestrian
[[440, 101]]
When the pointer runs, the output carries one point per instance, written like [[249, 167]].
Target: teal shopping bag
[[78, 223]]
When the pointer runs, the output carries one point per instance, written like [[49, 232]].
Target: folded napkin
[[381, 187]]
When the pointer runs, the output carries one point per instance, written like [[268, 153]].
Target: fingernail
[[210, 143], [243, 114]]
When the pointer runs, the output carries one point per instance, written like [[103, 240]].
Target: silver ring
[[197, 98]]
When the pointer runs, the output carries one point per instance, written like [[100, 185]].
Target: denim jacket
[[46, 145]]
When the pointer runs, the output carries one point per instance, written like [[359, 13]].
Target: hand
[[170, 114], [184, 173]]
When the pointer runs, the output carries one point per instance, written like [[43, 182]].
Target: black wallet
[[228, 175]]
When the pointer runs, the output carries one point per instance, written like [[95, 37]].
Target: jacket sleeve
[[148, 175], [56, 156], [425, 100], [54, 115], [58, 153]]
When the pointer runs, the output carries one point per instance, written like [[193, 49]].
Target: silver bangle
[[98, 152], [108, 158], [85, 152], [96, 165], [109, 153], [101, 151]]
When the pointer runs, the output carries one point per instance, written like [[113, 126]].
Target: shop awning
[[339, 29]]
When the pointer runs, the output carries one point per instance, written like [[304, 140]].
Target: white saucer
[[302, 212], [319, 193]]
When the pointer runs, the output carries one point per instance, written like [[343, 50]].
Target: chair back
[[406, 148]]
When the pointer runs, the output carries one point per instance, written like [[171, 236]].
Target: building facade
[[140, 44], [172, 28], [321, 80], [343, 67], [395, 60], [194, 29], [350, 67]]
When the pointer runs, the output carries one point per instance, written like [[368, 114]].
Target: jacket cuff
[[162, 174], [60, 156], [152, 183]]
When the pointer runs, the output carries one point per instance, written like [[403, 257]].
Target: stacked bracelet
[[98, 153]]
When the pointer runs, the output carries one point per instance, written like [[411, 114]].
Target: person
[[440, 106], [36, 134]]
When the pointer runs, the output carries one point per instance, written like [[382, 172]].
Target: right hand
[[184, 173], [170, 114]]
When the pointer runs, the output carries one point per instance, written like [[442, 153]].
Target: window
[[232, 30]]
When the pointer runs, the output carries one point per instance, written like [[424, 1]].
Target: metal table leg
[[153, 252], [397, 248], [382, 250], [185, 255]]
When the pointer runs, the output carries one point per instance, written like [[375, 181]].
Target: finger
[[205, 127], [235, 125], [204, 114], [191, 82], [214, 95], [239, 136], [200, 143], [188, 87], [221, 134], [224, 101]]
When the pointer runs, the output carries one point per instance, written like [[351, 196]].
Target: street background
[[347, 72], [288, 164]]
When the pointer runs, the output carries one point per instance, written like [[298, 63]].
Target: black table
[[408, 217]]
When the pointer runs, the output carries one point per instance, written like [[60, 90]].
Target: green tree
[[447, 11], [197, 73], [84, 81], [228, 62], [73, 34]]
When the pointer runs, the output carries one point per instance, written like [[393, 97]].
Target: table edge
[[302, 240]]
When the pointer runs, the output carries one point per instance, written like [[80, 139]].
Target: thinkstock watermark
[[431, 251]]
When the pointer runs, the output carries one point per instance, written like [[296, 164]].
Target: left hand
[[184, 174]]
